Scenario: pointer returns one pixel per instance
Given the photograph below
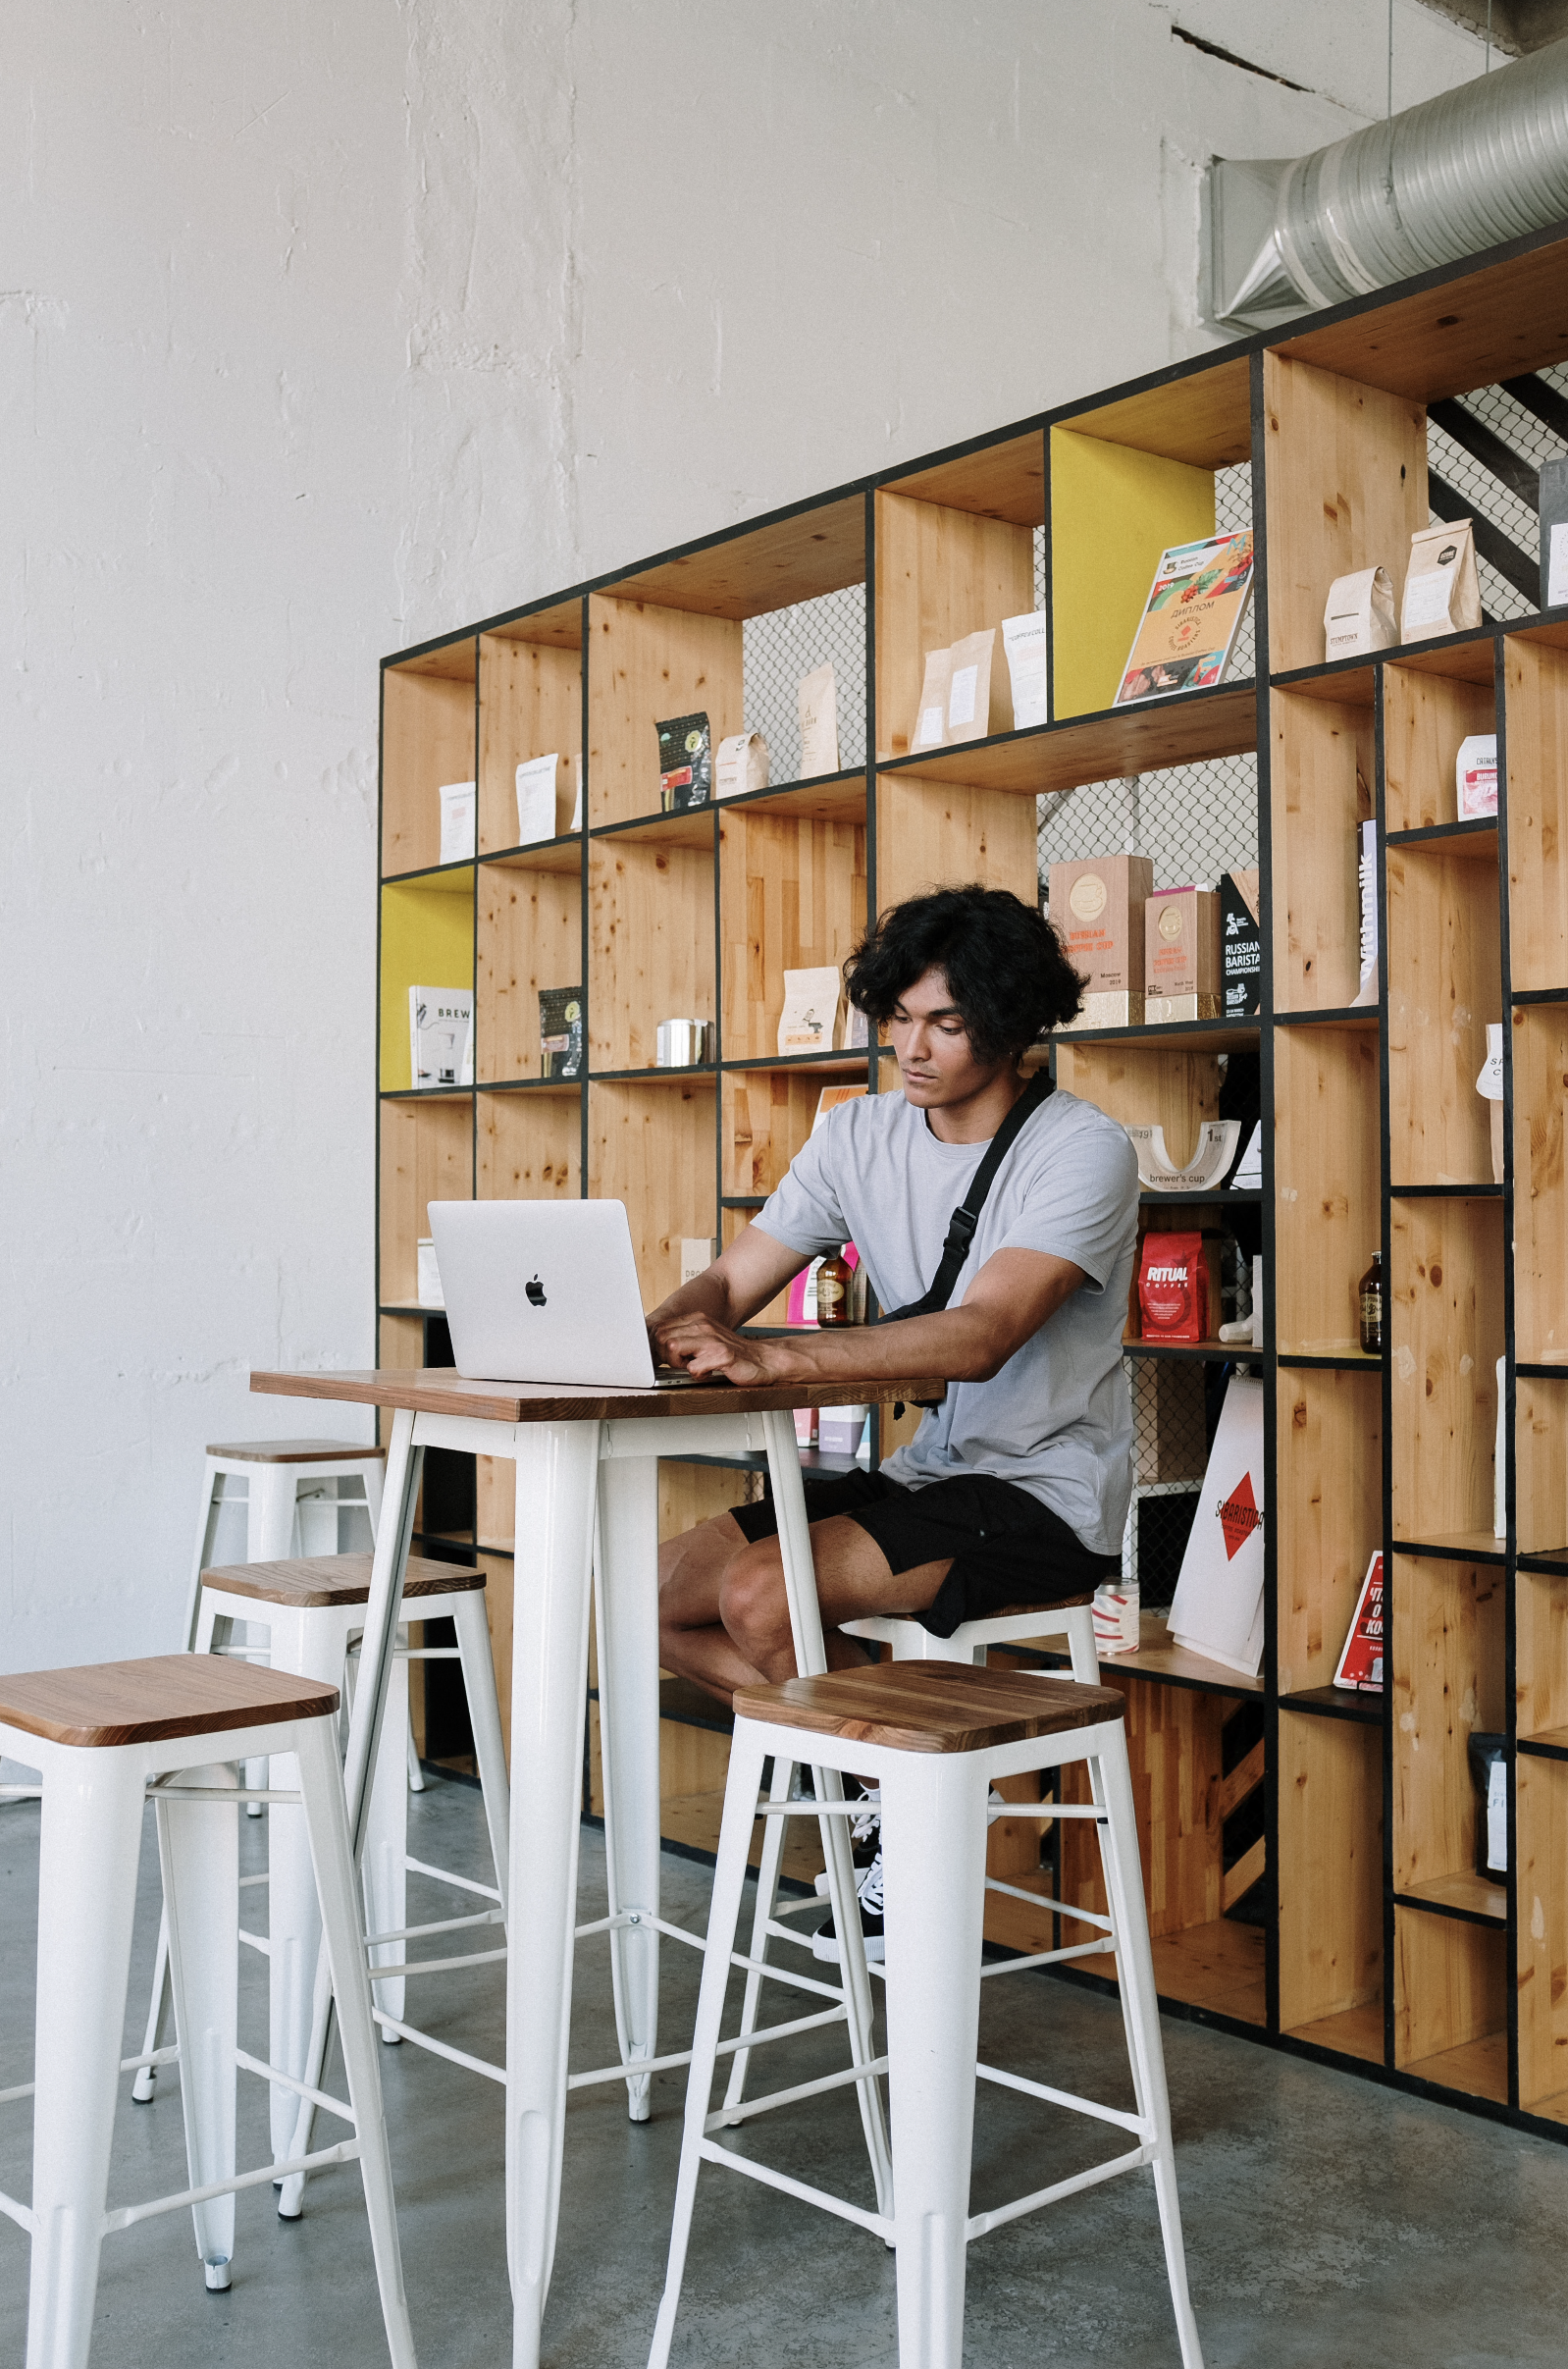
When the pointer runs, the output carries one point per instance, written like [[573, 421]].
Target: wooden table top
[[442, 1390]]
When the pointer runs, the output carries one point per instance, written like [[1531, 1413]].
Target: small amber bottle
[[1371, 1295], [835, 1290]]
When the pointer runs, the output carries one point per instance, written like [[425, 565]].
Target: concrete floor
[[1327, 2220]]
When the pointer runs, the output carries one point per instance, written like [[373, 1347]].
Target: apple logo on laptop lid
[[534, 1292]]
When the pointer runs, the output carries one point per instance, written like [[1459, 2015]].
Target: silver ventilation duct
[[1477, 167]]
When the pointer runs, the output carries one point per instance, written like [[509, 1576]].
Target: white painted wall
[[329, 329]]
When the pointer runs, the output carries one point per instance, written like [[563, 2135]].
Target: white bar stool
[[911, 1642], [104, 1738], [934, 1737], [293, 1502], [308, 1614]]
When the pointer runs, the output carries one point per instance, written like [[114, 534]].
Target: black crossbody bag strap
[[966, 1216]]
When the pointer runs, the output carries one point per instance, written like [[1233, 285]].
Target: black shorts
[[1006, 1548]]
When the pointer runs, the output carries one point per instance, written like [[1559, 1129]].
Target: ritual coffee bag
[[1442, 594], [1173, 1288]]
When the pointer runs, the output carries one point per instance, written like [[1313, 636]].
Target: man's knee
[[751, 1602], [690, 1568]]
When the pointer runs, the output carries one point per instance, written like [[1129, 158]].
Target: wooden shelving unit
[[1347, 1921]]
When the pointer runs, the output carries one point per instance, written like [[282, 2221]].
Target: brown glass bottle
[[1371, 1297], [835, 1291]]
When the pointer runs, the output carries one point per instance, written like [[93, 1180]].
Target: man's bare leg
[[724, 1616]]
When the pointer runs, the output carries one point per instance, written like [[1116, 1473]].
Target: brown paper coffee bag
[[1442, 594], [979, 698], [930, 719]]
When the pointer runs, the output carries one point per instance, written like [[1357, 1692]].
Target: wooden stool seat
[[335, 1579], [109, 1703], [295, 1451], [931, 1706]]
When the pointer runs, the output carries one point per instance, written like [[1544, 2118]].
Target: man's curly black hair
[[1003, 962]]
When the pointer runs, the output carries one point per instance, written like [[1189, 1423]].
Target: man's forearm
[[955, 1344], [707, 1295]]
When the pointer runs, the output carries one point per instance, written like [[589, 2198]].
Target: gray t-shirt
[[1057, 1420]]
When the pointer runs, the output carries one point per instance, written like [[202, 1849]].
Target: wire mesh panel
[[1490, 497], [1193, 821], [1170, 1453], [779, 647]]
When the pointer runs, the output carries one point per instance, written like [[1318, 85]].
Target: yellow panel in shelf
[[426, 940], [1112, 511]]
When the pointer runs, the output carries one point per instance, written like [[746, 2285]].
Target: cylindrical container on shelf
[[835, 1291], [1116, 1616], [682, 1044], [1369, 1293]]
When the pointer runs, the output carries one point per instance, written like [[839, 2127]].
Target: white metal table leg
[[198, 1847], [88, 1848], [627, 1598], [270, 1513], [933, 1837], [557, 1471]]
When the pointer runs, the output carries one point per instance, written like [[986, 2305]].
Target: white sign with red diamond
[[1217, 1607]]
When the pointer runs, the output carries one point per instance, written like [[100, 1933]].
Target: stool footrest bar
[[1137, 2124], [453, 2056], [982, 2223], [878, 2222], [1039, 1900], [256, 1941], [435, 1966], [287, 2081], [461, 1884], [418, 1932], [20, 2214], [130, 2064], [789, 2097], [1021, 1965], [128, 2215]]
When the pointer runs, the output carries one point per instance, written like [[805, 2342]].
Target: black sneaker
[[868, 1891]]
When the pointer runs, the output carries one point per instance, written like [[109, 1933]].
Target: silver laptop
[[545, 1292]]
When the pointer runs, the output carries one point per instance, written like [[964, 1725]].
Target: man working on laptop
[[1014, 1490]]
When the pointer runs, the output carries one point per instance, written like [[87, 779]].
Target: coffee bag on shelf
[[740, 764], [1027, 640], [560, 1032], [817, 699], [1358, 616], [1173, 1288], [1553, 506], [685, 762], [1442, 593], [457, 820], [931, 721], [979, 701], [808, 1021], [1475, 776]]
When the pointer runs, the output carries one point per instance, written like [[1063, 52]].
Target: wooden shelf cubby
[[426, 739], [1309, 1853], [1330, 1884]]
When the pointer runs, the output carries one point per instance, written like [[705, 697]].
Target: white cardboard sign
[[1217, 1606]]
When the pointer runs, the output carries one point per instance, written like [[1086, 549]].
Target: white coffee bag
[[1358, 616]]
